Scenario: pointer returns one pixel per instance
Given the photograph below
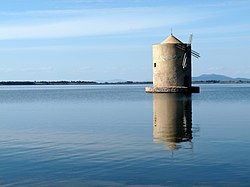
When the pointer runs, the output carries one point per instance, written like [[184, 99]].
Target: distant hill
[[208, 77]]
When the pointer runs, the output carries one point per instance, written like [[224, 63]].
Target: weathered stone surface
[[168, 67]]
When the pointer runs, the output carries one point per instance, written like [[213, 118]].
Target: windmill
[[172, 66], [187, 49]]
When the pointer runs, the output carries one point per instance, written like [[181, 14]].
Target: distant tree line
[[67, 82]]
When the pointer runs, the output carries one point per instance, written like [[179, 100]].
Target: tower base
[[173, 89]]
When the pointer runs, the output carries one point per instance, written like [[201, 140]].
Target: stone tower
[[172, 67]]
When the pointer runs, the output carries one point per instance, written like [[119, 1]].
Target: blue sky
[[112, 39]]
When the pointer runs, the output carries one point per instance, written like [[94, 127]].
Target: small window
[[154, 64]]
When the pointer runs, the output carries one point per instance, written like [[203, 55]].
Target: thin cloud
[[88, 47], [37, 69], [44, 13], [97, 22], [107, 21], [7, 70]]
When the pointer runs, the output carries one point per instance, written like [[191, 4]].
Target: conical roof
[[171, 40]]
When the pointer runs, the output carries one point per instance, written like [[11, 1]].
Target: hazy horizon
[[124, 80]]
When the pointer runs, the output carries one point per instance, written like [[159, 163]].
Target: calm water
[[120, 136]]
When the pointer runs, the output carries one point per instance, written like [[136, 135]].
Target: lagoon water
[[117, 135]]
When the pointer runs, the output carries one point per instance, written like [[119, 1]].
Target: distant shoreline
[[16, 83]]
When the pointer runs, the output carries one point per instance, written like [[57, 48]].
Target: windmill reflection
[[172, 119]]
